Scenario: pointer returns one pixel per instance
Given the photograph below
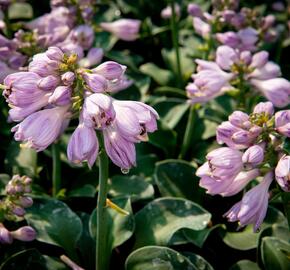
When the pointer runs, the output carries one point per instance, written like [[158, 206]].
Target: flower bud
[[25, 233], [94, 57], [246, 57], [61, 96], [253, 155], [18, 211], [48, 83], [68, 78], [264, 107], [5, 235], [110, 70], [238, 118], [194, 10], [54, 53], [282, 173], [25, 201], [259, 59], [95, 82]]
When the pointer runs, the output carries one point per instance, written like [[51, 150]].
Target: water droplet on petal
[[125, 171]]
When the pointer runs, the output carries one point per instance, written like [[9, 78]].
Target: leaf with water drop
[[157, 258]]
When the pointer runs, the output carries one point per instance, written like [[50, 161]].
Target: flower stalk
[[174, 33], [101, 206], [188, 132], [56, 170]]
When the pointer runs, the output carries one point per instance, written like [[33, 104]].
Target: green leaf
[[170, 91], [119, 227], [20, 11], [186, 61], [86, 190], [145, 165], [275, 253], [157, 222], [24, 260], [126, 57], [161, 76], [55, 223], [286, 203], [164, 138], [134, 187], [176, 178], [199, 237], [54, 263], [86, 244], [4, 179], [245, 265], [171, 111], [22, 160], [157, 258], [247, 239], [198, 261]]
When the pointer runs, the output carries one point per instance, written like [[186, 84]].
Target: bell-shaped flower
[[124, 29], [83, 145], [276, 90], [41, 128], [98, 111], [228, 187], [222, 163], [121, 151], [134, 119], [252, 208]]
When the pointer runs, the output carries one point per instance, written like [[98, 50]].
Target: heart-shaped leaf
[[157, 222], [157, 258], [55, 223]]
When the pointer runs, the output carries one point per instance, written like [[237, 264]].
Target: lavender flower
[[209, 82], [166, 13], [124, 29], [231, 66], [282, 173], [25, 233], [253, 207], [55, 88], [5, 235], [41, 128], [223, 164], [83, 145]]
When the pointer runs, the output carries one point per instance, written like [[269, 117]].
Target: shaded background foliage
[[172, 224]]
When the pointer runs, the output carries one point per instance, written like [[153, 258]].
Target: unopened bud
[[25, 233]]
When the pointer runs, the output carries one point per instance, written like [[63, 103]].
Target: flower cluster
[[241, 70], [247, 26], [55, 89], [10, 58], [254, 148], [12, 208]]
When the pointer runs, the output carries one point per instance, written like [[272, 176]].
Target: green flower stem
[[286, 203], [175, 41], [7, 24], [56, 169], [188, 132], [101, 207]]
